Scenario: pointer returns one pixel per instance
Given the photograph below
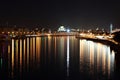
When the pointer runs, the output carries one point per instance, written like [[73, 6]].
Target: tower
[[111, 26]]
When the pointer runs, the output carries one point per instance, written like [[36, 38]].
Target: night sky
[[53, 13]]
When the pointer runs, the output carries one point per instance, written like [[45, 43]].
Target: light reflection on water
[[59, 56], [99, 58], [68, 56], [12, 58]]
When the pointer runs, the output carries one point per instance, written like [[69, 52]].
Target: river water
[[57, 58]]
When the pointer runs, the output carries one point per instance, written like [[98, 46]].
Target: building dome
[[61, 29]]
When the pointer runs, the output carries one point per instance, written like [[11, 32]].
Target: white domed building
[[61, 29]]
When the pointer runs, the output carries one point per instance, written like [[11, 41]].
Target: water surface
[[63, 58]]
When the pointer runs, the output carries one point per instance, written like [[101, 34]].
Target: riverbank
[[113, 45]]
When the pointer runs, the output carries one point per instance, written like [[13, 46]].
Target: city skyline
[[51, 14], [59, 39]]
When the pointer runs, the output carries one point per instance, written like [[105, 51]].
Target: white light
[[68, 58], [68, 30], [62, 27]]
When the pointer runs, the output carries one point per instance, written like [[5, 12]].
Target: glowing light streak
[[68, 56]]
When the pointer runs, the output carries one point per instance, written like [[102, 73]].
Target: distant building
[[61, 29]]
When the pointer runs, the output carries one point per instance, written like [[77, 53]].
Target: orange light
[[12, 32], [17, 32], [3, 32], [8, 32]]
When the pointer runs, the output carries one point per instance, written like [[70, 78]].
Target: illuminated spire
[[111, 26]]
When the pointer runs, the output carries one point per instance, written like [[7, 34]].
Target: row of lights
[[16, 32]]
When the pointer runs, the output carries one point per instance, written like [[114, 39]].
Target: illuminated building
[[61, 29]]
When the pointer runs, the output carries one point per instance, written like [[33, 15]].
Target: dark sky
[[53, 13]]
